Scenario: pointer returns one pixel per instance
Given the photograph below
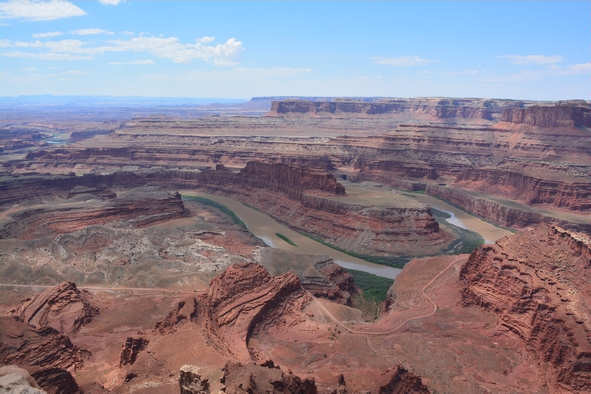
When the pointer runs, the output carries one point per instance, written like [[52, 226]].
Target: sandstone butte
[[519, 306]]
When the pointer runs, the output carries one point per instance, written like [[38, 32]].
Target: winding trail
[[401, 324]]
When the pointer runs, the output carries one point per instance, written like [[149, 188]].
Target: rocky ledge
[[64, 308], [537, 282], [141, 207], [242, 300]]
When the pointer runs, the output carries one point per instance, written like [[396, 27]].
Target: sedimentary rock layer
[[537, 283], [567, 114], [45, 353], [295, 195], [64, 308], [438, 108], [141, 208]]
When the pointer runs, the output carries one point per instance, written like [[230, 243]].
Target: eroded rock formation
[[191, 380], [130, 350], [15, 380], [402, 382], [264, 378], [141, 208], [244, 299], [45, 353], [64, 308], [564, 114], [537, 283]]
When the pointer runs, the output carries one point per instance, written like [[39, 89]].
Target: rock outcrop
[[566, 114], [537, 283], [186, 310], [264, 378], [403, 382], [56, 381], [141, 208], [438, 108], [192, 381], [45, 353], [130, 350], [64, 308], [243, 378], [336, 284], [245, 299], [15, 380]]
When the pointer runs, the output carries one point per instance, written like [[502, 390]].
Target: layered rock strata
[[45, 353], [242, 300], [537, 283], [140, 208], [64, 308]]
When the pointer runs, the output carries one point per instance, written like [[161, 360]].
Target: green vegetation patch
[[391, 261], [224, 209], [467, 240], [375, 288], [283, 237]]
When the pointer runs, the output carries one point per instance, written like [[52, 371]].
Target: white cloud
[[90, 32], [403, 61], [49, 34], [206, 39], [46, 56], [141, 61], [532, 59], [582, 68], [111, 2], [170, 48], [39, 10]]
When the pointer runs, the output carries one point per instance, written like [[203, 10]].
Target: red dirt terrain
[[112, 282], [511, 317]]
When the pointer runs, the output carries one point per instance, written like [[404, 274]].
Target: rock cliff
[[560, 115], [438, 108], [242, 300], [45, 353], [64, 308], [141, 208], [537, 283]]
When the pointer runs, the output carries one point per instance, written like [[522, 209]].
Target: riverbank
[[266, 228]]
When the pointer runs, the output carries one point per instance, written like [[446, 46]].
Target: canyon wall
[[140, 208], [504, 214], [537, 283], [560, 115], [306, 199], [439, 108], [380, 231]]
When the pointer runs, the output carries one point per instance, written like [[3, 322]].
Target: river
[[266, 228], [460, 218]]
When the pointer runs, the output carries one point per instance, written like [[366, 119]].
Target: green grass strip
[[375, 288], [283, 237], [391, 261]]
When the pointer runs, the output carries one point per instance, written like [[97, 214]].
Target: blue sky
[[505, 49]]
